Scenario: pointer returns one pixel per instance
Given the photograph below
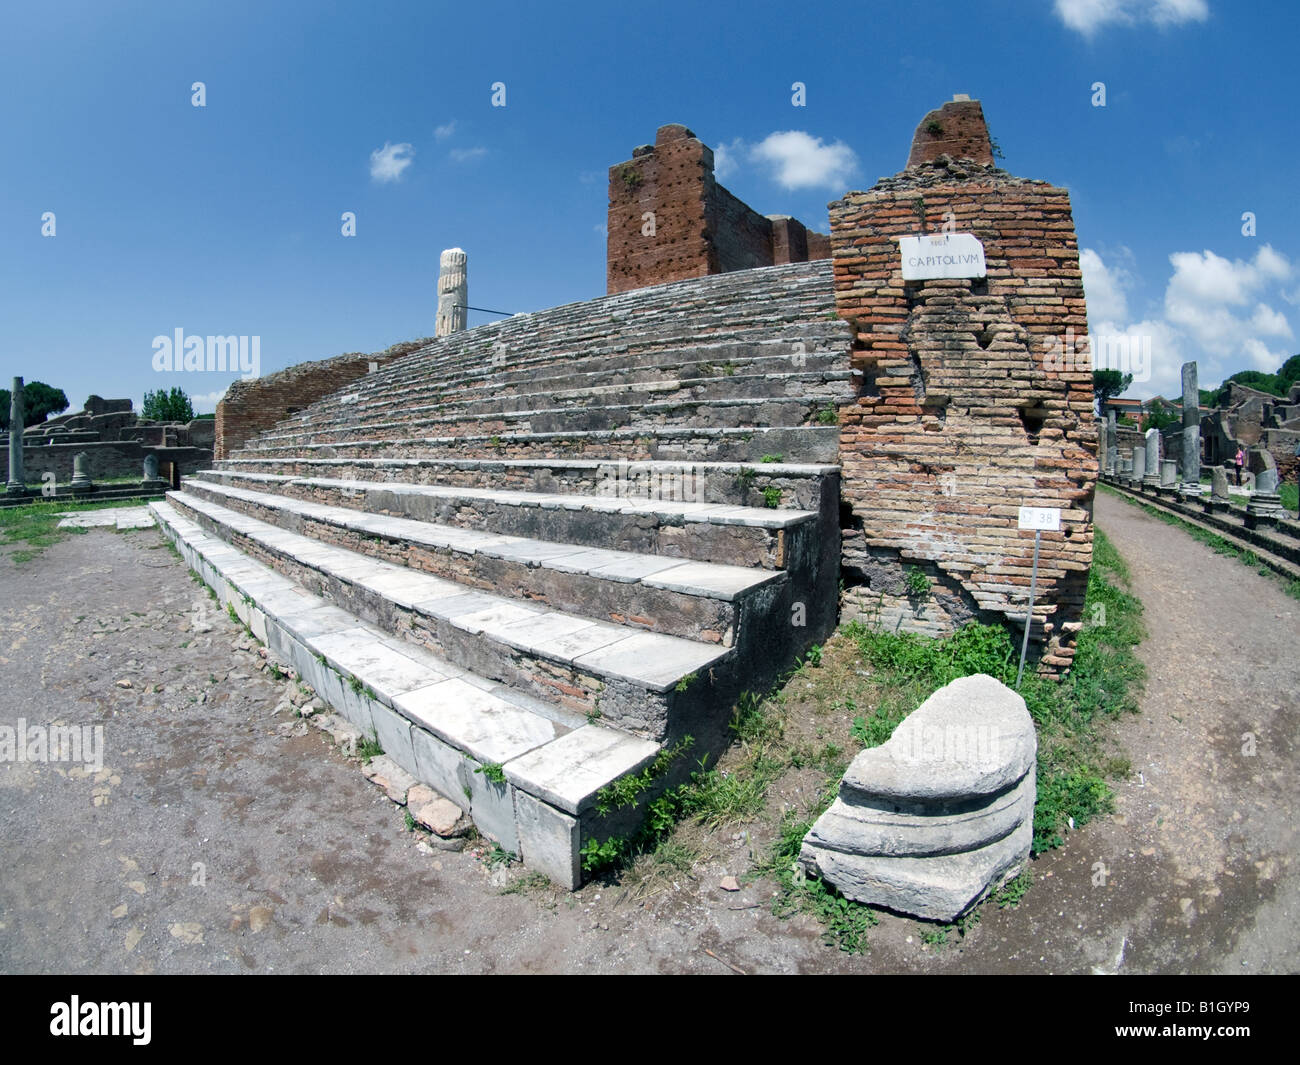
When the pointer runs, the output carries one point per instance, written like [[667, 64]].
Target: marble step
[[804, 444], [645, 418], [640, 682], [724, 315], [439, 722], [710, 363], [671, 527], [828, 386], [705, 601], [802, 486]]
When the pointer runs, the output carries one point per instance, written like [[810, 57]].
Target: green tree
[[1290, 372], [1261, 382], [39, 402], [1160, 417], [1106, 384], [173, 406]]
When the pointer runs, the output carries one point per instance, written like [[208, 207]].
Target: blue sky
[[225, 219]]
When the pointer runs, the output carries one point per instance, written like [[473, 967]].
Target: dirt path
[[304, 867], [1210, 826]]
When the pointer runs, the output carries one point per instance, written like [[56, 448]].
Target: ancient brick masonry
[[957, 129], [252, 405], [699, 228], [965, 412]]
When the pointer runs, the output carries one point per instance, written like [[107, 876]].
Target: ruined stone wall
[[961, 418], [104, 459], [742, 238], [699, 228], [255, 404]]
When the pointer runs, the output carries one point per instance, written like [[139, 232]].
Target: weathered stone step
[[631, 678], [702, 601], [729, 359], [440, 723], [830, 387], [788, 305], [803, 444], [790, 411], [683, 529], [801, 487]]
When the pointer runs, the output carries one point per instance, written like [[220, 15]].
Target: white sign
[[941, 255], [1045, 519]]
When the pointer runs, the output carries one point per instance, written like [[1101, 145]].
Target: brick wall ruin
[[114, 439], [957, 130], [698, 227], [963, 413], [254, 404]]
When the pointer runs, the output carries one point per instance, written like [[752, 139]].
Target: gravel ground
[[220, 836]]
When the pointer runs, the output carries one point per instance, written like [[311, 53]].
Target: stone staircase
[[531, 556]]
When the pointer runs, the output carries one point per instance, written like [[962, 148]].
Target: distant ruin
[[669, 220], [115, 440]]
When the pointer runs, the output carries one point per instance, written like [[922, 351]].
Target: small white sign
[[1045, 519], [942, 255]]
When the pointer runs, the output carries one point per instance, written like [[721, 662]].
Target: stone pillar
[[1168, 473], [1152, 453], [81, 482], [1103, 445], [453, 292], [1265, 506], [16, 485], [1190, 466], [1218, 499], [1219, 484], [151, 469]]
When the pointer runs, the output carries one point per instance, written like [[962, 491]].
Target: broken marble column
[[151, 470], [1190, 466], [1168, 473], [933, 819], [1219, 484], [81, 482], [1265, 505], [453, 293], [16, 485], [1139, 463], [1152, 452], [1103, 446]]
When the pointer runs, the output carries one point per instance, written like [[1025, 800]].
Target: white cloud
[[798, 160], [1088, 16], [1262, 357], [207, 403], [1176, 12], [1216, 311], [388, 163], [443, 132], [466, 155], [1269, 322], [1105, 286], [726, 158]]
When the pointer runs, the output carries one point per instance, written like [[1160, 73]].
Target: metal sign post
[[1038, 519]]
